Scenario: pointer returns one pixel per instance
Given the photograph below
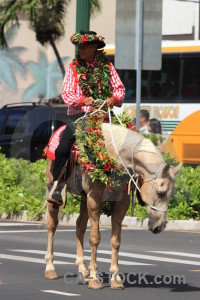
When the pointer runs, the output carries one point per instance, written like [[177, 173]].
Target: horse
[[140, 157]]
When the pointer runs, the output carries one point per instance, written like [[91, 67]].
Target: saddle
[[70, 167]]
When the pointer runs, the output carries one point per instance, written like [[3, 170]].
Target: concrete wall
[[178, 18]]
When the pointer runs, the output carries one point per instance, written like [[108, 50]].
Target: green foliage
[[186, 202], [124, 118], [46, 19], [95, 7], [154, 138], [139, 211], [23, 187], [169, 160]]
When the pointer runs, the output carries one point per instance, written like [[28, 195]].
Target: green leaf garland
[[93, 157], [90, 79]]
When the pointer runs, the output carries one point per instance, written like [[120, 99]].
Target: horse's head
[[156, 193]]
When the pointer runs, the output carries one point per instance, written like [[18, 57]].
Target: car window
[[13, 124], [40, 123], [2, 117], [60, 118]]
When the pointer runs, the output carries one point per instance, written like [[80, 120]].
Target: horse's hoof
[[116, 286], [51, 274], [83, 276], [86, 275], [95, 284]]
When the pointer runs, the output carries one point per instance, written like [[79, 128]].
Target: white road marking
[[26, 231], [32, 231], [42, 230], [177, 253], [60, 293], [31, 259], [18, 224], [150, 257], [105, 260]]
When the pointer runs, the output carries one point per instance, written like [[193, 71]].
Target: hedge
[[23, 187]]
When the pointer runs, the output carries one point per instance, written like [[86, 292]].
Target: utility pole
[[82, 15]]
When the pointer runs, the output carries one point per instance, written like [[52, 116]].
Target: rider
[[90, 76]]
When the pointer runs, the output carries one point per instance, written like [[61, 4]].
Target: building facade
[[180, 22]]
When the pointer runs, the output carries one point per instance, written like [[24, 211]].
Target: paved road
[[164, 266]]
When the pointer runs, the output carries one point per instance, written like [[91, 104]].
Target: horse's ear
[[165, 169], [177, 169]]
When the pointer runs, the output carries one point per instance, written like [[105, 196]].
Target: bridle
[[152, 185]]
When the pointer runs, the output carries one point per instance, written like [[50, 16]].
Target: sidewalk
[[128, 222]]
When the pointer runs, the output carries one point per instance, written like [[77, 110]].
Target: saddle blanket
[[49, 150]]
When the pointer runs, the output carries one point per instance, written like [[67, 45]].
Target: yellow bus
[[171, 94]]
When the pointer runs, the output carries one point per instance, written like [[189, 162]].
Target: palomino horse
[[140, 157]]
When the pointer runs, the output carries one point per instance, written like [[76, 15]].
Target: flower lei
[[93, 157], [95, 82], [80, 39]]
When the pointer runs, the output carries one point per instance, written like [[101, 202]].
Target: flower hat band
[[87, 37]]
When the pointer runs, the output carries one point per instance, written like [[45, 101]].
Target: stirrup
[[55, 196]]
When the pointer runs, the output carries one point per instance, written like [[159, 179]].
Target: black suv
[[25, 129]]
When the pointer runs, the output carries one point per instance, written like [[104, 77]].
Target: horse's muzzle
[[157, 229]]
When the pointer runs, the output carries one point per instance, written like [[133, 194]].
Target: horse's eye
[[161, 194]]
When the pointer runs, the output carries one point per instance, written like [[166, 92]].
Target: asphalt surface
[[164, 266]]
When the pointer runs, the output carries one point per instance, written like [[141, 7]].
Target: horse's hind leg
[[50, 272], [81, 225], [118, 212]]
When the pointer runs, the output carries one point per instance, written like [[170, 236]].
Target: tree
[[46, 77], [10, 62], [95, 7], [45, 17]]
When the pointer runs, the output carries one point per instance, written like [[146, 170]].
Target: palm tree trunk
[[61, 65]]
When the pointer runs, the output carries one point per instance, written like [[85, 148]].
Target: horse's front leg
[[81, 225], [118, 212], [94, 205], [50, 272]]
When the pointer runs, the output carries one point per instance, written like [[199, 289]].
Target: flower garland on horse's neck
[[96, 82]]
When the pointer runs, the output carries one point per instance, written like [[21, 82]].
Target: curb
[[128, 222]]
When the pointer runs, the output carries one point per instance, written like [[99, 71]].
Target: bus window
[[128, 77], [191, 79], [165, 83]]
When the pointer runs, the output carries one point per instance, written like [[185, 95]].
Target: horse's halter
[[153, 181]]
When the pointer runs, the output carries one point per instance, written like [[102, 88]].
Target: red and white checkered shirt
[[74, 97]]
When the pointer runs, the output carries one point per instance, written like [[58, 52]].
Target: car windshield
[[14, 122]]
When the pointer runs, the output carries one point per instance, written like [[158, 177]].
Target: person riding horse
[[90, 76]]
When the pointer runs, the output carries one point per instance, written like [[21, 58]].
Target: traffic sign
[[127, 14]]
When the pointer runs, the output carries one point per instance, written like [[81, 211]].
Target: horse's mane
[[125, 138]]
